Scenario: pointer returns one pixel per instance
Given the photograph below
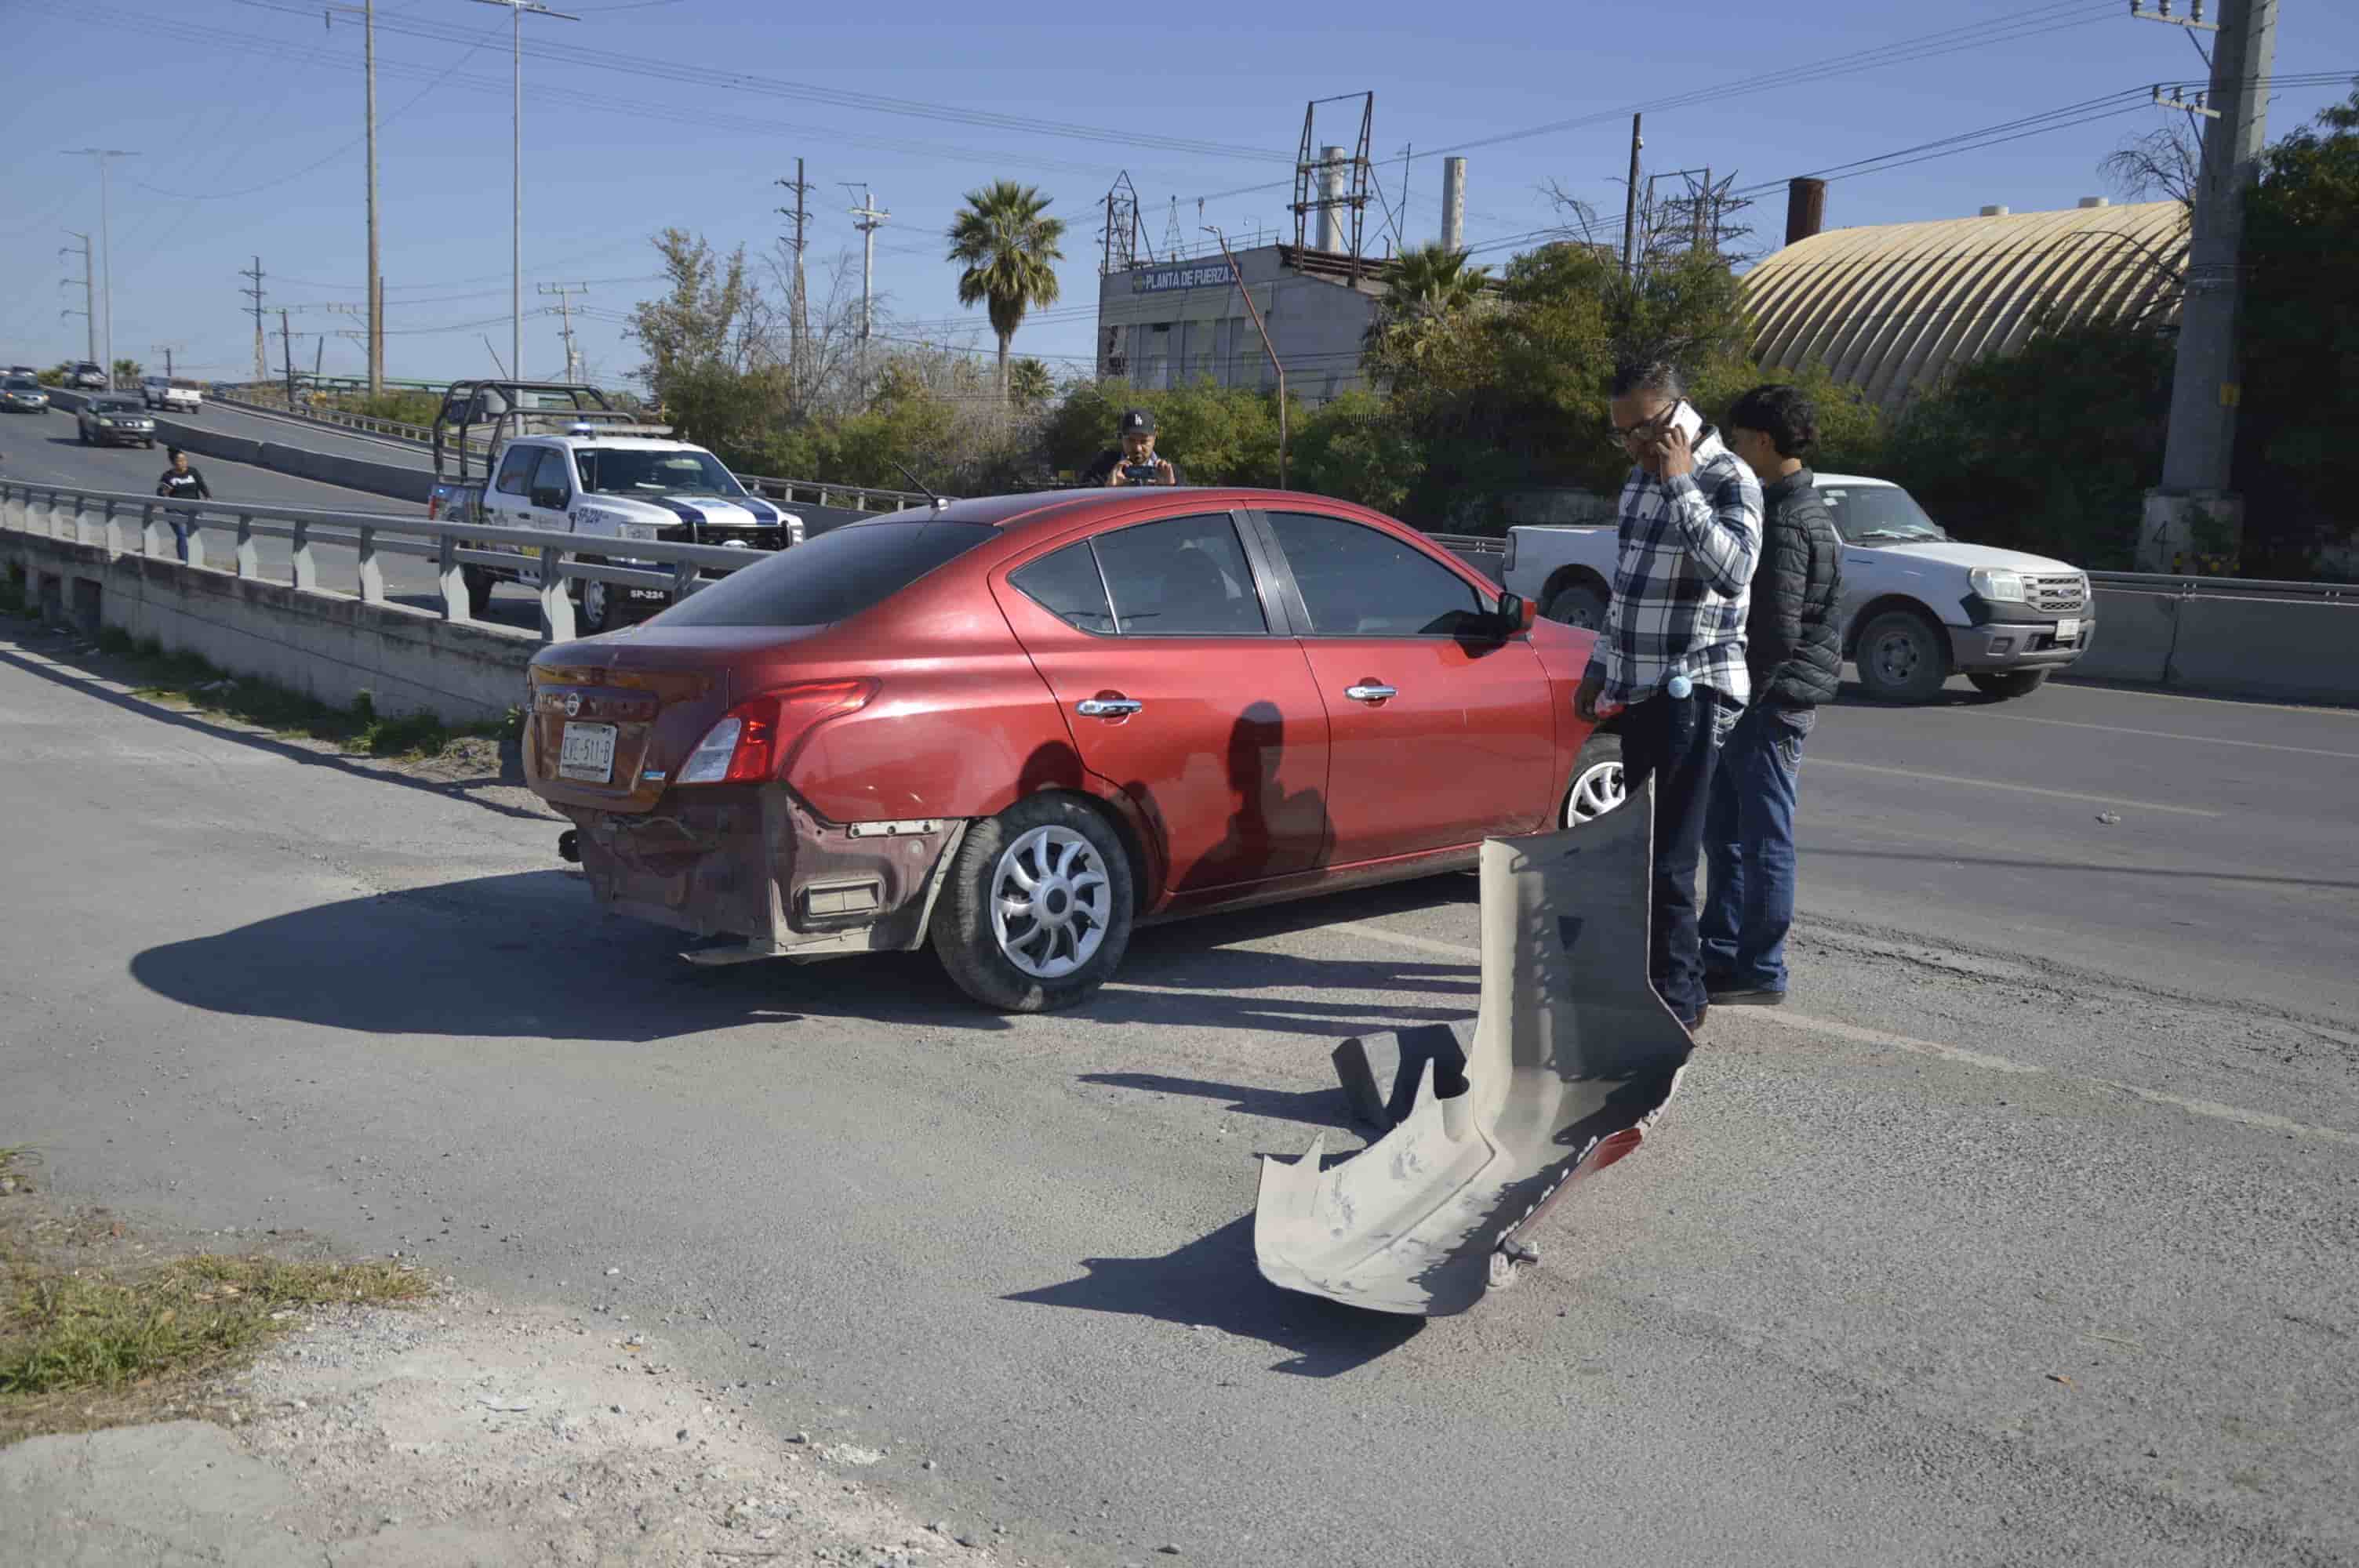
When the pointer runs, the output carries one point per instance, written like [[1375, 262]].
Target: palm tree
[[1432, 280], [1009, 247], [1030, 384]]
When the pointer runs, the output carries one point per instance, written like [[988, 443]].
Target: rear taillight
[[433, 507], [756, 740]]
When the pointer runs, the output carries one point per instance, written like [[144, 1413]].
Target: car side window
[[1067, 584], [1185, 577], [1358, 581], [555, 473], [516, 470]]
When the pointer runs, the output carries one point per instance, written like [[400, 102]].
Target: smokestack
[[1806, 208], [1330, 198], [1994, 211], [1453, 204], [2087, 201]]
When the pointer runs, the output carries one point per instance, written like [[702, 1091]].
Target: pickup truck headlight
[[642, 530], [1999, 587]]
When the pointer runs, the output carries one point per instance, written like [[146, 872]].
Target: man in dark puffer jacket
[[1794, 653]]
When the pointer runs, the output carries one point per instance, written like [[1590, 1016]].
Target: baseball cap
[[1138, 422]]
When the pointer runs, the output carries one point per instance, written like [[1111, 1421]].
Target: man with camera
[[1134, 461]]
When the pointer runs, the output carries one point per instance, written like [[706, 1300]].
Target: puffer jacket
[[1793, 642]]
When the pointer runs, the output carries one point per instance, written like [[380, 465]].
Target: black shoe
[[1695, 1025], [1747, 995]]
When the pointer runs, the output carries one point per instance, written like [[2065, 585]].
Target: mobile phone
[[1687, 421]]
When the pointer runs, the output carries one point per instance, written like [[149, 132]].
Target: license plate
[[587, 753], [2067, 631]]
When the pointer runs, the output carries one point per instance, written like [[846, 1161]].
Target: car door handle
[[1369, 693], [1107, 707]]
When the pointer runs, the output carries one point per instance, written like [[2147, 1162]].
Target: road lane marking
[[2013, 788], [2316, 710], [2167, 735], [1802, 1023]]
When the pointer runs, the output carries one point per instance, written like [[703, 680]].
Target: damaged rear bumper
[[754, 861]]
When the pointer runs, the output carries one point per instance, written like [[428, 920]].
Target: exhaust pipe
[[569, 846], [1571, 1056]]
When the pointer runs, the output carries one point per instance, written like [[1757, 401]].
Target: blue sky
[[248, 112]]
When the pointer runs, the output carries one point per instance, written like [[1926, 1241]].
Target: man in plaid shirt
[[1671, 657]]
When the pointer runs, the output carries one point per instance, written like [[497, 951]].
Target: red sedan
[[1016, 726]]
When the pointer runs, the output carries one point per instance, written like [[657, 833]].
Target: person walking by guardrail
[[1672, 653], [181, 482], [1793, 653]]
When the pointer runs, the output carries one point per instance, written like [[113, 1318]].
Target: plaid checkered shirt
[[1683, 582]]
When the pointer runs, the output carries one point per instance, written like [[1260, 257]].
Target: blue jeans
[[1748, 846], [1675, 741], [179, 535]]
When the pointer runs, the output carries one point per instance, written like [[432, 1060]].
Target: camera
[[1146, 472]]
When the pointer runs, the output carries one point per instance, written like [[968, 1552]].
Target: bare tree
[[2165, 162]]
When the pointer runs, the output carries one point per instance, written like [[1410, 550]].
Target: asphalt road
[[2025, 1235], [47, 449]]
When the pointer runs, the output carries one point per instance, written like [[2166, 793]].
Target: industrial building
[[1890, 308], [1165, 321]]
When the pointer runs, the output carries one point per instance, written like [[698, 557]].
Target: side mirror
[[1516, 613]]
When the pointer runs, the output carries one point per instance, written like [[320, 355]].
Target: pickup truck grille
[[2059, 593], [720, 533]]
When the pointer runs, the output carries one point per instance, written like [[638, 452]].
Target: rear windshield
[[832, 577], [23, 384]]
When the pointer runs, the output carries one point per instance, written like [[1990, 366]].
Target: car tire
[[1901, 657], [1596, 786], [150, 444], [1077, 925], [593, 602], [1578, 605], [479, 584], [2001, 685]]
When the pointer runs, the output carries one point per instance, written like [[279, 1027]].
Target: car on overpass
[[23, 394], [87, 374], [1917, 606], [1014, 728], [116, 420], [172, 395], [557, 457]]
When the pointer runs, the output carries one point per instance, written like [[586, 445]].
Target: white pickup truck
[[173, 396], [1917, 606], [557, 457]]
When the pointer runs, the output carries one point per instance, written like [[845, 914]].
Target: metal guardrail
[[142, 525], [2175, 586]]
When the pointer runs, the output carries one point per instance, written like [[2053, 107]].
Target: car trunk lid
[[634, 703]]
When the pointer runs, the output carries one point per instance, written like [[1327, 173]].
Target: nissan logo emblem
[[572, 703]]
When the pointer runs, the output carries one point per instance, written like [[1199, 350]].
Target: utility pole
[[168, 351], [515, 242], [89, 311], [287, 349], [106, 253], [565, 315], [1277, 364], [366, 12], [2196, 506], [261, 354], [798, 317], [867, 220], [1630, 206]]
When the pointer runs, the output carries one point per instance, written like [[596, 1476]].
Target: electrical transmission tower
[[261, 353], [798, 300]]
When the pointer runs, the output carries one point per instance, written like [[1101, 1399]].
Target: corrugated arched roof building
[[1887, 308]]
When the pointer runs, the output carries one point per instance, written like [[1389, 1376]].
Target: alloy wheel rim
[[1050, 901], [1597, 790], [593, 603]]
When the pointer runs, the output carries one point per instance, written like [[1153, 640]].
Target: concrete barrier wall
[[330, 646], [394, 480], [2295, 650], [2133, 637]]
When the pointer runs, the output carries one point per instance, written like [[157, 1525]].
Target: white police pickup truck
[[172, 397], [557, 457], [1917, 606]]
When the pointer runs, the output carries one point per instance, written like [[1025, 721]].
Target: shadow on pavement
[[1318, 1107], [1214, 1283], [527, 955]]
